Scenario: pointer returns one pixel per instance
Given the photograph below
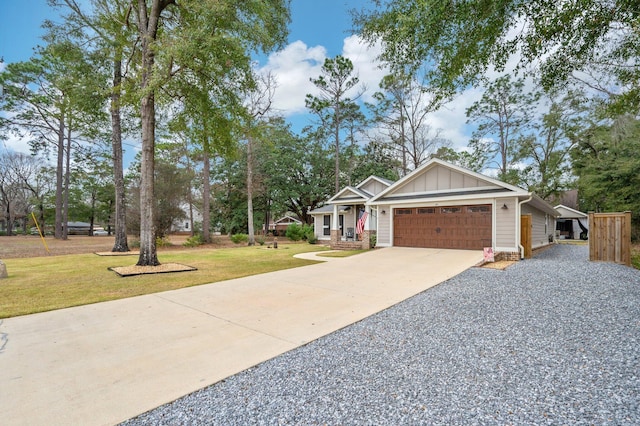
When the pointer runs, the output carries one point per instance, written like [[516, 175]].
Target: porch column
[[365, 231], [335, 226]]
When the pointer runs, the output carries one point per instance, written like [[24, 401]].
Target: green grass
[[46, 283], [635, 256]]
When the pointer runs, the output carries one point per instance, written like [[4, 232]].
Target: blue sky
[[319, 29]]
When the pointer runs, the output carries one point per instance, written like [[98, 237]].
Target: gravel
[[551, 340]]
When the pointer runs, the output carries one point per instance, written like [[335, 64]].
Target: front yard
[[40, 284]]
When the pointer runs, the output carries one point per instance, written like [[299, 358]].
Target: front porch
[[359, 242]]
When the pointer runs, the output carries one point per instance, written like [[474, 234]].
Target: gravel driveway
[[551, 340]]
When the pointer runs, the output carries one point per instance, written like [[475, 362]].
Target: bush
[[311, 238], [373, 240], [295, 232], [163, 242], [194, 241], [260, 240], [239, 238], [134, 244]]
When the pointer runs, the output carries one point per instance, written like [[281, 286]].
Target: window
[[186, 225], [429, 210], [326, 225], [478, 209], [451, 210], [403, 211]]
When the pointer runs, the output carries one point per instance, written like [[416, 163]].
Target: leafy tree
[[548, 173], [333, 106], [504, 112], [178, 36], [474, 159], [606, 162], [51, 99], [462, 40], [375, 159]]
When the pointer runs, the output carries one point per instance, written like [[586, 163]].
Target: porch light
[[504, 206]]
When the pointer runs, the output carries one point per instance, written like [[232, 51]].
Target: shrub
[[239, 238], [311, 238], [295, 232], [134, 244], [260, 239], [163, 241], [373, 240], [194, 241]]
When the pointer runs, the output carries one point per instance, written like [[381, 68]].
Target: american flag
[[361, 221]]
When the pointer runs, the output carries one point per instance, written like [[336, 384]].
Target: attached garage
[[454, 227]]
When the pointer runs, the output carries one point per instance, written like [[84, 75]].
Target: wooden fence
[[610, 237], [525, 235]]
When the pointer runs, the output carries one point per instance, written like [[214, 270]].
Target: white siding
[[383, 235], [506, 224], [541, 224], [374, 187]]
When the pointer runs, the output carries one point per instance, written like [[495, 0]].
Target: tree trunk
[[148, 26], [206, 193], [121, 244], [57, 233], [252, 237], [67, 178]]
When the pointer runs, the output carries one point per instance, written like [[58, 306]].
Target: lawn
[[46, 283]]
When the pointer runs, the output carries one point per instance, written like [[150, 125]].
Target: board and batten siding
[[383, 233], [505, 225], [374, 187], [541, 226], [441, 179]]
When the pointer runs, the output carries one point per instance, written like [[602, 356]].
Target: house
[[282, 224], [571, 224], [438, 205], [183, 225]]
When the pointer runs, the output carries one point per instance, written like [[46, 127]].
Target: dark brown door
[[456, 227]]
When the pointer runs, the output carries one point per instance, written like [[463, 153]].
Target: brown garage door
[[456, 227]]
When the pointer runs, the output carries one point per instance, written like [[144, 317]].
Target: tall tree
[[548, 148], [332, 104], [401, 112], [106, 33], [193, 32], [463, 39], [504, 112]]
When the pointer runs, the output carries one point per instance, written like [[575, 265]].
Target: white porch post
[[335, 223]]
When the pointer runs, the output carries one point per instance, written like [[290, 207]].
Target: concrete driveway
[[107, 362]]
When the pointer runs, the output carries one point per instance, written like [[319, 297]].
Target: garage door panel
[[458, 227]]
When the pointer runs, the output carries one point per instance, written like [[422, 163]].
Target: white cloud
[[365, 64], [292, 67]]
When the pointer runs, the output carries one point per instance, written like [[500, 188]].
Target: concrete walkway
[[107, 362]]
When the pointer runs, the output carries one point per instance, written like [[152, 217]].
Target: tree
[[193, 33], [333, 104], [549, 147], [51, 98], [401, 111], [106, 33], [504, 112], [462, 40], [605, 160], [258, 105]]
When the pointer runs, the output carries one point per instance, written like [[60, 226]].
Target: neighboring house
[[438, 205], [183, 226], [282, 224], [572, 224]]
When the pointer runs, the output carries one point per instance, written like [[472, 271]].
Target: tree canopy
[[596, 41]]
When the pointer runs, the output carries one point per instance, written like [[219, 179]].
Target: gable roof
[[351, 195], [569, 213], [383, 181], [414, 185]]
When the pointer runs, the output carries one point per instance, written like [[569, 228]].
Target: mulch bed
[[128, 271]]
